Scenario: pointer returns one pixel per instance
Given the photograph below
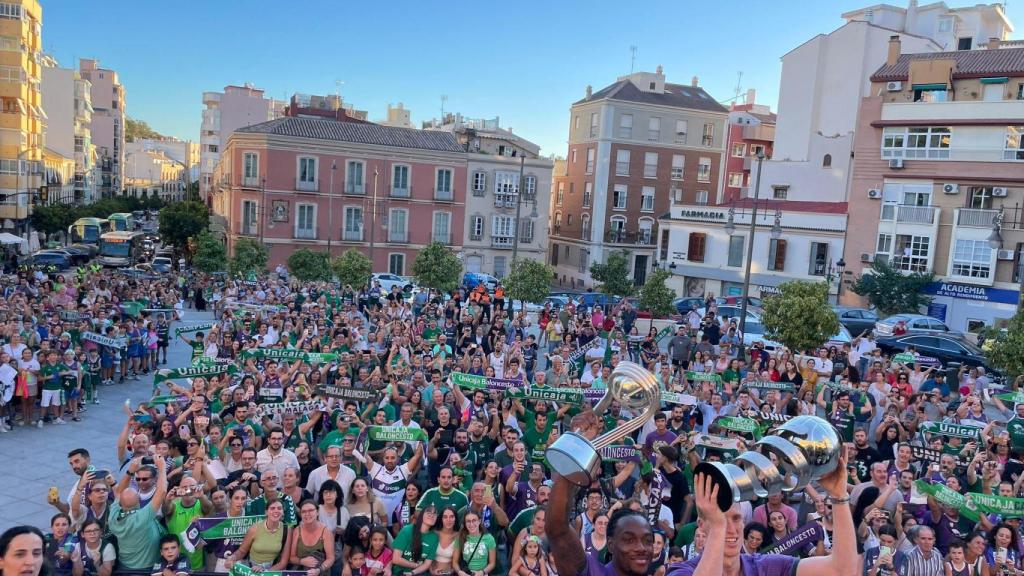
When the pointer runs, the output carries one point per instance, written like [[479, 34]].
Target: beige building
[[151, 172], [107, 127], [67, 102], [59, 178]]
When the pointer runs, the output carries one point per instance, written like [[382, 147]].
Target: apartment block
[[58, 178], [67, 102], [108, 122], [938, 184], [184, 152], [151, 172], [751, 133]]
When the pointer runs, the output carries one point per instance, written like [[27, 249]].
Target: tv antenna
[[632, 57], [444, 99]]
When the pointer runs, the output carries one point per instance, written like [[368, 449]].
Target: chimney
[[590, 91], [694, 82], [993, 44], [659, 71], [751, 96], [894, 50]]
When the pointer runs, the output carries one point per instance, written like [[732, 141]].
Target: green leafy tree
[[1005, 348], [655, 296], [799, 316], [250, 257], [53, 218], [211, 255], [138, 129], [613, 274], [352, 268], [529, 280], [181, 221], [310, 266], [891, 291], [436, 266]]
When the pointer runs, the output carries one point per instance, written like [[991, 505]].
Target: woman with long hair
[[312, 544], [60, 544], [405, 512], [266, 543], [220, 549], [447, 542], [477, 554], [1001, 555], [361, 512], [416, 545], [777, 527], [596, 542]]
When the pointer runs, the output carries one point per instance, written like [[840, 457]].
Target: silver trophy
[[806, 448], [579, 459]]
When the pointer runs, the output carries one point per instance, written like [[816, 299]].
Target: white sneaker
[[39, 423], [59, 421]]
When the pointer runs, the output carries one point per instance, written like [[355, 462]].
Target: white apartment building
[[184, 152], [67, 102], [107, 124], [150, 172]]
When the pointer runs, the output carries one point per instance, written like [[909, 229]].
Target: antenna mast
[[632, 58]]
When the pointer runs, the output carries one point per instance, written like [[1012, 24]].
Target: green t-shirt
[[476, 551], [455, 499], [138, 537], [1015, 426], [403, 545], [178, 524], [50, 375], [197, 348], [536, 442]]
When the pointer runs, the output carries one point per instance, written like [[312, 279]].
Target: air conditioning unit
[[867, 257], [896, 163], [951, 188], [875, 193], [999, 192], [894, 86], [1005, 255]]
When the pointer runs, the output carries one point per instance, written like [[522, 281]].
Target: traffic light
[[44, 194]]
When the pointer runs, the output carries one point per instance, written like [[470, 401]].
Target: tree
[[250, 257], [138, 129], [1005, 347], [310, 266], [211, 255], [436, 266], [53, 218], [799, 316], [352, 268], [656, 297], [613, 274], [529, 280], [182, 220], [891, 291]]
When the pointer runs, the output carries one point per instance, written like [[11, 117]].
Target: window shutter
[[695, 250], [779, 262]]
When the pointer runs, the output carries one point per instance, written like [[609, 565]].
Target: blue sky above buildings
[[525, 62]]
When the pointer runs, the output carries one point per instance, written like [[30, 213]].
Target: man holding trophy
[[804, 449]]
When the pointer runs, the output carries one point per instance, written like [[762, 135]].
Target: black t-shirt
[[680, 488], [865, 458]]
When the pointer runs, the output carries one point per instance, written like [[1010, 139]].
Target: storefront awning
[[931, 86], [998, 80]]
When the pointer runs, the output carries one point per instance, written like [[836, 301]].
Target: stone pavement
[[33, 460]]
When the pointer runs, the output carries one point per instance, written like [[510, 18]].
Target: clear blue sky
[[525, 61]]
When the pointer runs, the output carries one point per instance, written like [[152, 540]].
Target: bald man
[[184, 504], [135, 526]]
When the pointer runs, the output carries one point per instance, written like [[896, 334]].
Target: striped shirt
[[915, 564]]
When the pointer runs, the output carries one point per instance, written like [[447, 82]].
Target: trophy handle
[[635, 387], [725, 478]]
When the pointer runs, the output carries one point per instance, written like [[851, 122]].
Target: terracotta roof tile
[[373, 134], [969, 64]]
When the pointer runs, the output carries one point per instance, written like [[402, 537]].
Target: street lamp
[[750, 248], [995, 239]]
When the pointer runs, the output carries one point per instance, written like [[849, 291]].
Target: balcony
[[307, 233], [245, 228], [642, 238], [307, 186], [442, 237], [910, 214], [398, 236], [975, 218], [505, 200], [759, 132], [444, 195], [250, 181], [400, 192], [355, 188], [352, 235], [502, 241], [943, 112]]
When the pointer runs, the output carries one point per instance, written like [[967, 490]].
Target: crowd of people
[[338, 430]]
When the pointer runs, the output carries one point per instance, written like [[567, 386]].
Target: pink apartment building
[[298, 182], [751, 130]]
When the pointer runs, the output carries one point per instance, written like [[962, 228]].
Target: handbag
[[463, 562]]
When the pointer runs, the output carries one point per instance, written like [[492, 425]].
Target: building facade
[[751, 132], [67, 102], [223, 113], [151, 172], [59, 178], [184, 152], [298, 182], [23, 120], [107, 126], [940, 167], [636, 148]]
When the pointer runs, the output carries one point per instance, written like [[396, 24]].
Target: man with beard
[[388, 481], [522, 494], [462, 460], [79, 460], [444, 494], [866, 455]]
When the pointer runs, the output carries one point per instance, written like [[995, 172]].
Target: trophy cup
[[578, 459], [806, 447]]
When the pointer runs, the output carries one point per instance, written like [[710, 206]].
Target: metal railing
[[909, 214], [975, 217], [307, 233], [502, 241], [251, 181], [401, 192], [355, 188], [444, 195], [245, 228], [399, 236], [642, 238], [353, 235], [306, 186], [443, 238]]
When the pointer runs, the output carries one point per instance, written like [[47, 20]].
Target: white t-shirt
[[7, 380]]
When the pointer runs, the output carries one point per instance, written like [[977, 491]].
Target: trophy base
[[720, 476], [575, 459]]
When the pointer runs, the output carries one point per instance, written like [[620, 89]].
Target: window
[[979, 198], [307, 173], [396, 264], [777, 254], [645, 232], [704, 169], [476, 228], [780, 192], [588, 194], [479, 183], [444, 190], [305, 221], [617, 229], [819, 259], [736, 250], [585, 226], [250, 169], [354, 181], [663, 246], [576, 123], [917, 194], [442, 227], [736, 179], [398, 225], [622, 162], [503, 231], [506, 188], [654, 129], [526, 231], [560, 193], [922, 142], [756, 149], [739, 150], [530, 188], [12, 12], [353, 224], [400, 180], [681, 131], [678, 160], [593, 125], [573, 155], [964, 43], [701, 197], [939, 94], [499, 266], [590, 160], [696, 243], [626, 126], [708, 138], [568, 219], [1020, 91], [558, 221], [883, 247], [619, 197], [972, 259], [826, 161], [945, 24], [249, 219], [650, 164], [911, 252], [1014, 142], [647, 199]]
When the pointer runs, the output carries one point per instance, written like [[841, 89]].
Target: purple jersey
[[750, 564]]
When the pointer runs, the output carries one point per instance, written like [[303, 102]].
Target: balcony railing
[[909, 214], [355, 188], [307, 233], [504, 200], [251, 181], [502, 241], [352, 235], [398, 236], [306, 186], [444, 195], [245, 228], [401, 192], [642, 238], [443, 238], [975, 218]]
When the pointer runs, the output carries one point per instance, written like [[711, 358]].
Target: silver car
[[915, 324]]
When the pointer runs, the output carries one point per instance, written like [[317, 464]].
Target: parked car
[[856, 320], [79, 252], [915, 324], [162, 264], [684, 305], [738, 300], [755, 333], [733, 312], [388, 281], [90, 249], [945, 347], [47, 259], [74, 256], [471, 279], [591, 299]]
